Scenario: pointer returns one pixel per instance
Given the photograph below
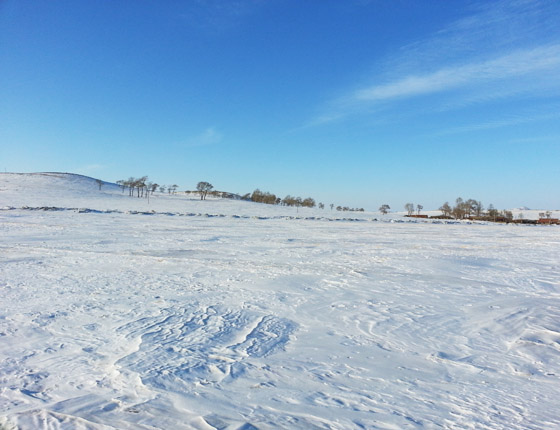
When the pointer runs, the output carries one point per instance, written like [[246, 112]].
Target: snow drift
[[260, 317]]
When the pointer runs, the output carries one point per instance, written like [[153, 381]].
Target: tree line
[[473, 209], [142, 187], [384, 209], [463, 209], [266, 197], [410, 209]]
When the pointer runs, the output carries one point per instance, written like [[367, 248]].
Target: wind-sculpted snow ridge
[[182, 349]]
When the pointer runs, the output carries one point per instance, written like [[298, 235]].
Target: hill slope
[[66, 190]]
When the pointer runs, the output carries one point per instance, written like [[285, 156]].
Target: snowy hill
[[54, 189], [62, 182], [67, 190]]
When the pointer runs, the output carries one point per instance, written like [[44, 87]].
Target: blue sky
[[352, 102]]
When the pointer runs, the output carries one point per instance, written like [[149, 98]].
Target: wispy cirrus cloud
[[501, 49], [540, 59]]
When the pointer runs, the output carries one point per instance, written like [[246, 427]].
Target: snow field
[[121, 321]]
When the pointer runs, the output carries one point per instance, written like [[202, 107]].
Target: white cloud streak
[[508, 66], [500, 50]]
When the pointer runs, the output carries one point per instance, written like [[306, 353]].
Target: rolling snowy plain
[[116, 313]]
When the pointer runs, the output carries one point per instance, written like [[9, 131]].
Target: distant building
[[555, 221]]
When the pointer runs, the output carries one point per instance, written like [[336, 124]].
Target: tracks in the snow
[[201, 345]]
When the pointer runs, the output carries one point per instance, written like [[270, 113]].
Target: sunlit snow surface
[[266, 318]]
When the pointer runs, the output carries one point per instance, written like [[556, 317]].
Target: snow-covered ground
[[232, 315]]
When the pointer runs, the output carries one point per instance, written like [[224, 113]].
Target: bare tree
[[446, 209], [122, 184], [492, 212], [332, 206], [140, 185], [409, 208], [459, 209], [384, 209], [264, 197], [419, 208], [472, 207], [321, 206], [308, 202], [130, 184], [149, 186], [203, 188], [297, 201], [478, 208]]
